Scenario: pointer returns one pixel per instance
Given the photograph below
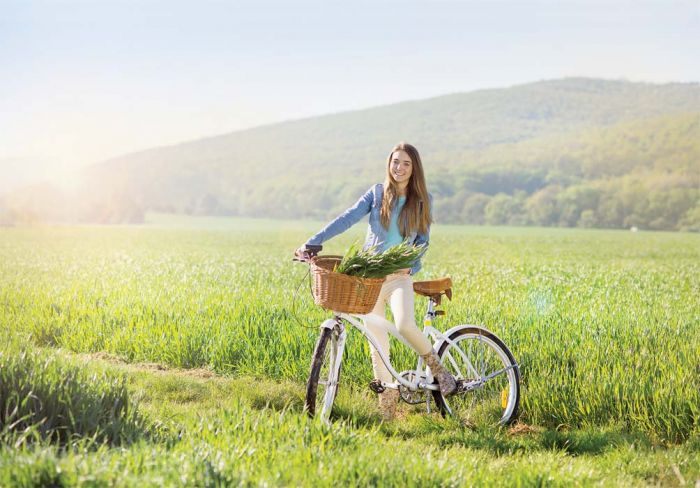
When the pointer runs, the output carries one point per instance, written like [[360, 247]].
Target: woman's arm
[[345, 220]]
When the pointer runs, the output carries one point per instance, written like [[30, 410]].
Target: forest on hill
[[642, 174], [574, 152]]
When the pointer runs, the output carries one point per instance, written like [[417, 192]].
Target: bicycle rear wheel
[[489, 378], [322, 386]]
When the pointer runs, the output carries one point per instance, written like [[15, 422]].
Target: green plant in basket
[[370, 264]]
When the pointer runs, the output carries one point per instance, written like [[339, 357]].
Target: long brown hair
[[415, 214]]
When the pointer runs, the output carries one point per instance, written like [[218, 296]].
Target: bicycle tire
[[480, 406], [319, 376]]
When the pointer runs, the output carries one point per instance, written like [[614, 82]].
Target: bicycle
[[487, 375]]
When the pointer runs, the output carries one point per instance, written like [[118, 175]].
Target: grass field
[[605, 325]]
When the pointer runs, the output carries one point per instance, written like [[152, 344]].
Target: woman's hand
[[301, 254], [306, 252]]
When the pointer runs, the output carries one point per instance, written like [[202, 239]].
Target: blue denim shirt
[[369, 203]]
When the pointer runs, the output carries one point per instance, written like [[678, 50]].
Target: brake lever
[[303, 259]]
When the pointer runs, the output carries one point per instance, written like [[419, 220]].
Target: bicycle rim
[[480, 359]]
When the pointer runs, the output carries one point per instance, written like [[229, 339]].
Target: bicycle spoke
[[481, 355], [496, 373], [457, 372]]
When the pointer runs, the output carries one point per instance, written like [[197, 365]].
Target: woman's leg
[[388, 398], [381, 336], [401, 300]]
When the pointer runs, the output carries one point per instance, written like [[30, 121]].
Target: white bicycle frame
[[422, 383]]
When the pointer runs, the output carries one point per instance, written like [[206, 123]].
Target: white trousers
[[397, 291]]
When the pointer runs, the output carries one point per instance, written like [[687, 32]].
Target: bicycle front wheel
[[322, 387], [488, 374]]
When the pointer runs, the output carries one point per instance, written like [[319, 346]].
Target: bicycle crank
[[412, 397], [465, 386]]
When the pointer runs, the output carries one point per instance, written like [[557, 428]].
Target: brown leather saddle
[[434, 288]]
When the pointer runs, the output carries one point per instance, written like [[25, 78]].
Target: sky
[[83, 81]]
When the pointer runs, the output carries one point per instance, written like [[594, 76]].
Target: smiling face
[[401, 167], [405, 177]]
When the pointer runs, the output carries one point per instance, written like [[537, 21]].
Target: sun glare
[[67, 180]]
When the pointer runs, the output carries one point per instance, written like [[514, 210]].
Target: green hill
[[570, 152]]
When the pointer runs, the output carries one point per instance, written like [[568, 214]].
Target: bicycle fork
[[338, 337]]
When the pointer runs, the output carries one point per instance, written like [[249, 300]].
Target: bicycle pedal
[[376, 386]]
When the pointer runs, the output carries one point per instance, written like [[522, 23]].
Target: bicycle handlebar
[[308, 252]]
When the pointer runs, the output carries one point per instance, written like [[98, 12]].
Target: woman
[[399, 210]]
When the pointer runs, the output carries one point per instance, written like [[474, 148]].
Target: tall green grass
[[251, 432], [45, 398], [605, 324]]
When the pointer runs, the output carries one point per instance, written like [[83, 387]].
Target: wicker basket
[[340, 292]]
